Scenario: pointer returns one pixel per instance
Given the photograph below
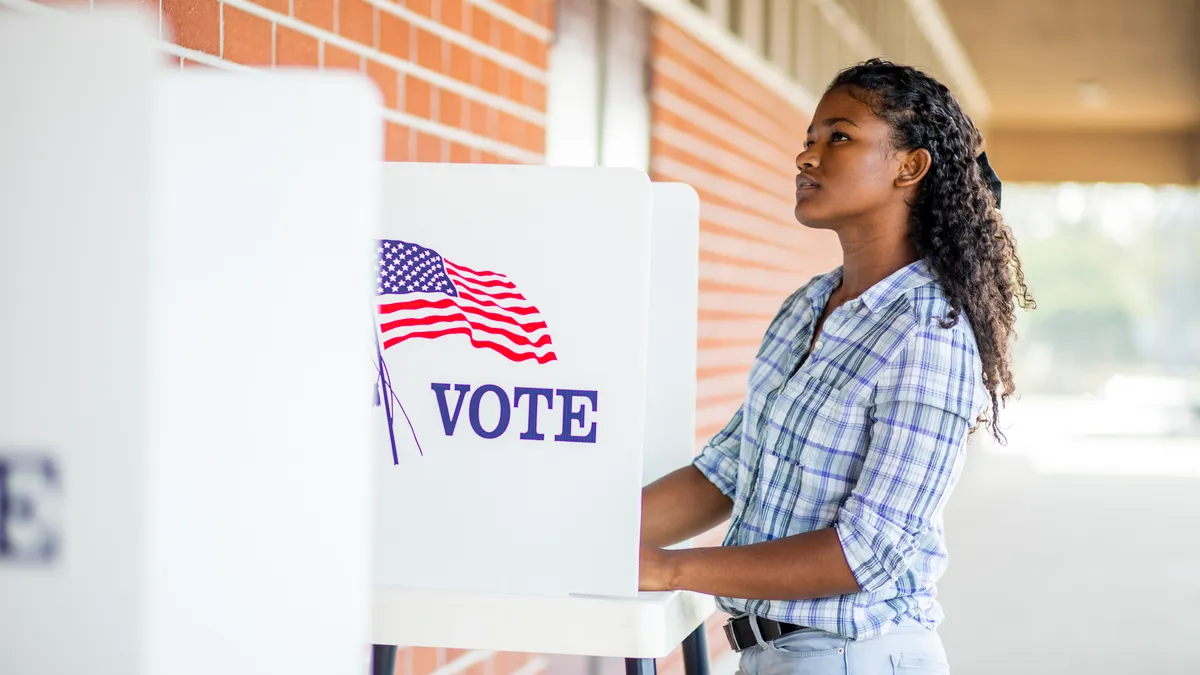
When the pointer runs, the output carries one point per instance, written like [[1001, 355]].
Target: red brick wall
[[734, 141], [461, 80]]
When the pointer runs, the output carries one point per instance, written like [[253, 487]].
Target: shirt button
[[817, 345]]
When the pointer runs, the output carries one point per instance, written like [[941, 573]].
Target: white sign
[[183, 441], [513, 305]]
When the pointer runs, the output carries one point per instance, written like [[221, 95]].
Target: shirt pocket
[[815, 453]]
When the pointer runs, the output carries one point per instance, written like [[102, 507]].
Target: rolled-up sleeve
[[718, 461], [923, 408]]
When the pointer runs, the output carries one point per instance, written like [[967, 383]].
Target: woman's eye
[[808, 144], [838, 136]]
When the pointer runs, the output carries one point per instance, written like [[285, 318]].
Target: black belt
[[740, 633]]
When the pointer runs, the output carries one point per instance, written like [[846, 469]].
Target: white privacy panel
[[671, 366], [267, 200], [183, 442], [74, 237], [513, 325]]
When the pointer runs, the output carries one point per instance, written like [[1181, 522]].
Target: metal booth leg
[[383, 660], [695, 653], [641, 667]]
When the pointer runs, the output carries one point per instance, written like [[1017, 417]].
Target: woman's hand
[[655, 570]]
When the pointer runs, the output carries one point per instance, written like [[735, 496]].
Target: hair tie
[[988, 174]]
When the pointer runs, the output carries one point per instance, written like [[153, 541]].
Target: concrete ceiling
[[1101, 72]]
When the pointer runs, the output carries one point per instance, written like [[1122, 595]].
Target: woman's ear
[[914, 164]]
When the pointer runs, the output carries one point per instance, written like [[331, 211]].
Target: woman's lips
[[805, 183]]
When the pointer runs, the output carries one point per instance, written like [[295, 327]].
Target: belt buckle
[[768, 630], [731, 636]]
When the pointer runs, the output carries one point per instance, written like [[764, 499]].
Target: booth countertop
[[648, 626]]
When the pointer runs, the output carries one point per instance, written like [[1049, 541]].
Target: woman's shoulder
[[935, 358], [934, 318], [922, 330]]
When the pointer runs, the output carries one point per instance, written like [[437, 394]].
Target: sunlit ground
[[1073, 549]]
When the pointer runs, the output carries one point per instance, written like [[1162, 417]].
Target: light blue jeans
[[910, 649]]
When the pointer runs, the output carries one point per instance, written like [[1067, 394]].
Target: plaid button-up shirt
[[867, 437]]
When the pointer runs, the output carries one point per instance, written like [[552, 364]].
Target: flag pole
[[385, 393], [411, 429], [388, 394]]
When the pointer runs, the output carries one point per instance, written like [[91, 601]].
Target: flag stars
[[402, 267]]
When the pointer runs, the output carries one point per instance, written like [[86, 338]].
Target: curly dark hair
[[955, 223]]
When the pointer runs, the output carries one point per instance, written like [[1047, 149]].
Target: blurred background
[[1075, 546]]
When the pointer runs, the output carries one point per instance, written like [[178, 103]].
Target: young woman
[[836, 469]]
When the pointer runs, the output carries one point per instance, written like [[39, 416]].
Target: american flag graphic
[[423, 295]]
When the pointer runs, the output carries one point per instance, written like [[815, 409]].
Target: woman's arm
[[803, 566], [681, 505]]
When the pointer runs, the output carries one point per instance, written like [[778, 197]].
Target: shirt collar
[[883, 293], [823, 286]]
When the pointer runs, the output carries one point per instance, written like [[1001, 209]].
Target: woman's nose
[[806, 158]]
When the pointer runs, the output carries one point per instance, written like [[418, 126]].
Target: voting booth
[[185, 480], [536, 367], [266, 401]]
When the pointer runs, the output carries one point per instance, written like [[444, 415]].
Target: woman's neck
[[871, 257]]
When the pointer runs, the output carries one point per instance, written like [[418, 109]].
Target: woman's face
[[848, 168]]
